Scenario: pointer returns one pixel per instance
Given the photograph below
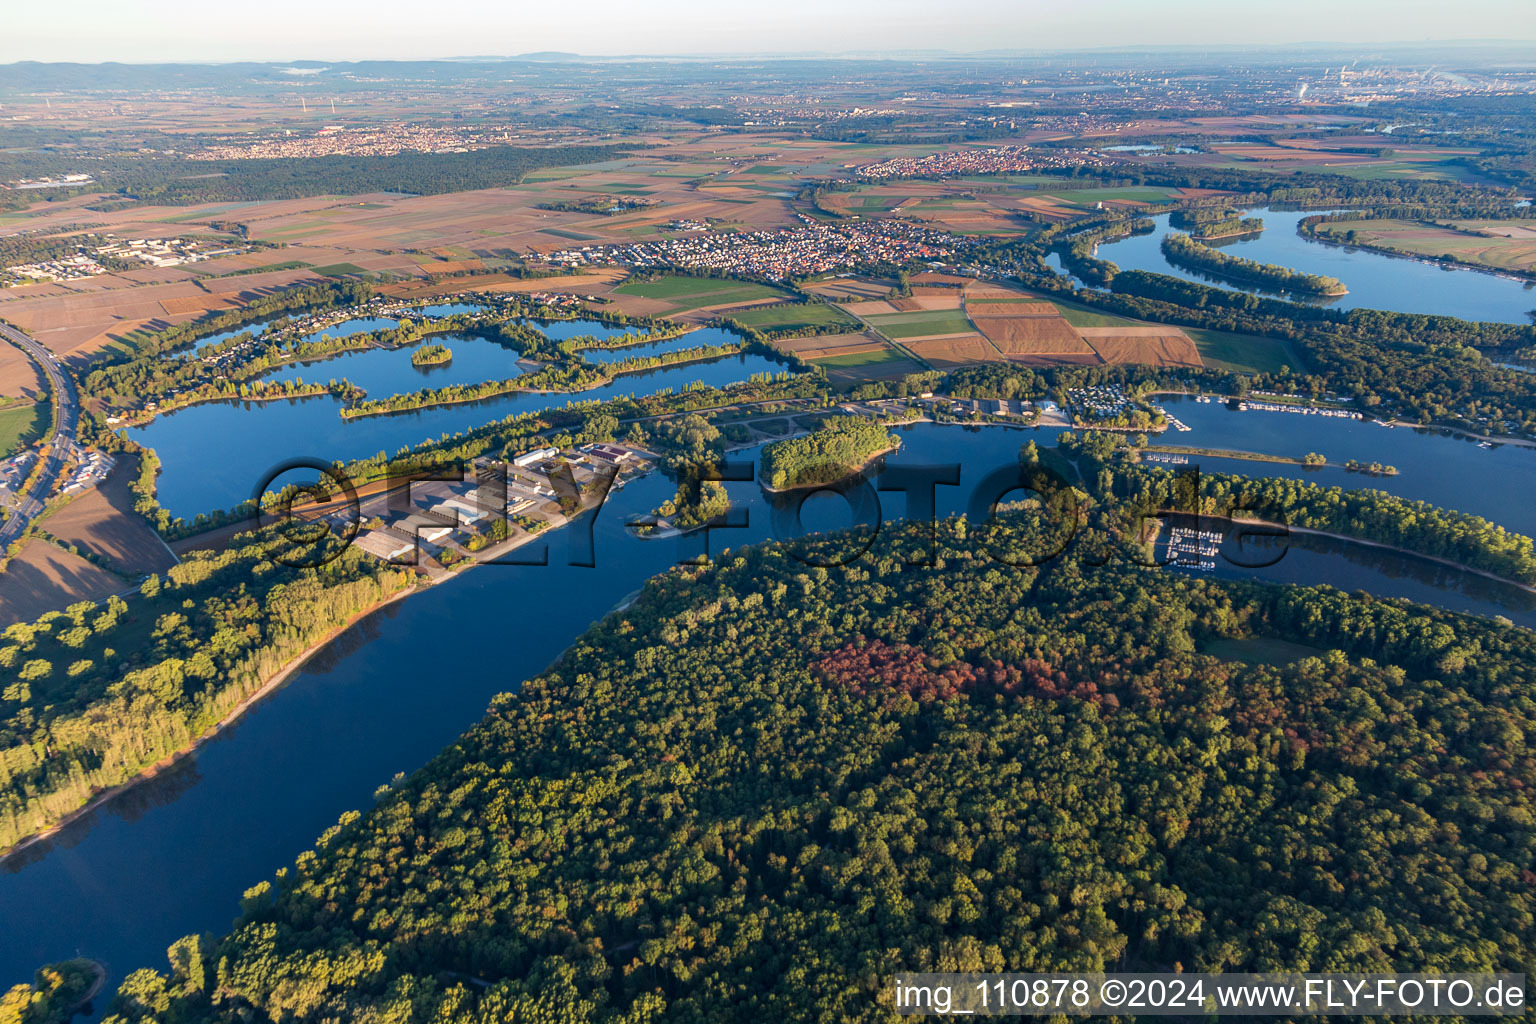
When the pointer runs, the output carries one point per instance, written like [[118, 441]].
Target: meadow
[[692, 292], [20, 424], [794, 317], [927, 323], [1245, 353], [1502, 245]]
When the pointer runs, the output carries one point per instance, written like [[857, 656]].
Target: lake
[[1374, 280], [213, 455], [343, 329]]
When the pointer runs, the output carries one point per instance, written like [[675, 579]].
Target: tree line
[[100, 692], [1186, 251]]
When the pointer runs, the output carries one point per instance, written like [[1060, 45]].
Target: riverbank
[[171, 760], [487, 555], [1312, 234], [164, 410], [1516, 442], [1302, 404], [1262, 282], [1233, 453], [635, 341]]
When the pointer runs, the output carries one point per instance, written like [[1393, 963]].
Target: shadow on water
[[351, 640], [159, 790], [1312, 560]]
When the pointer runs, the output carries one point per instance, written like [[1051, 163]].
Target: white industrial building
[[431, 534], [384, 545], [466, 511], [534, 457]]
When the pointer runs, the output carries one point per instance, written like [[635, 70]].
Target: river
[[1374, 280], [1433, 465], [172, 856]]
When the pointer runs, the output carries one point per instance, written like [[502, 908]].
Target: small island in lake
[[57, 992], [843, 446], [1233, 227], [432, 355], [696, 504]]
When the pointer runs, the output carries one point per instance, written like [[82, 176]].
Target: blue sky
[[179, 30]]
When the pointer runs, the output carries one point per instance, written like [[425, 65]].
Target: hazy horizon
[[180, 32]]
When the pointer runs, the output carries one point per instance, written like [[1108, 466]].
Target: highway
[[67, 405]]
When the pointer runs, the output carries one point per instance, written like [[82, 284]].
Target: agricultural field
[[937, 298], [1499, 244], [685, 293], [45, 577], [751, 182], [850, 289], [1009, 307], [97, 313], [951, 205], [960, 350], [797, 316], [102, 521], [1245, 353], [746, 181], [862, 360], [1151, 345], [1134, 195], [853, 368], [1357, 156], [20, 424], [822, 345], [852, 358], [871, 307], [1082, 316], [924, 324], [1031, 335]]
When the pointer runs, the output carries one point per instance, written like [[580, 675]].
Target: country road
[[67, 417]]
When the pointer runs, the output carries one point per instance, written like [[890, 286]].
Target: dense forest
[[176, 180], [96, 693], [1080, 250], [764, 788], [840, 446], [1228, 228]]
